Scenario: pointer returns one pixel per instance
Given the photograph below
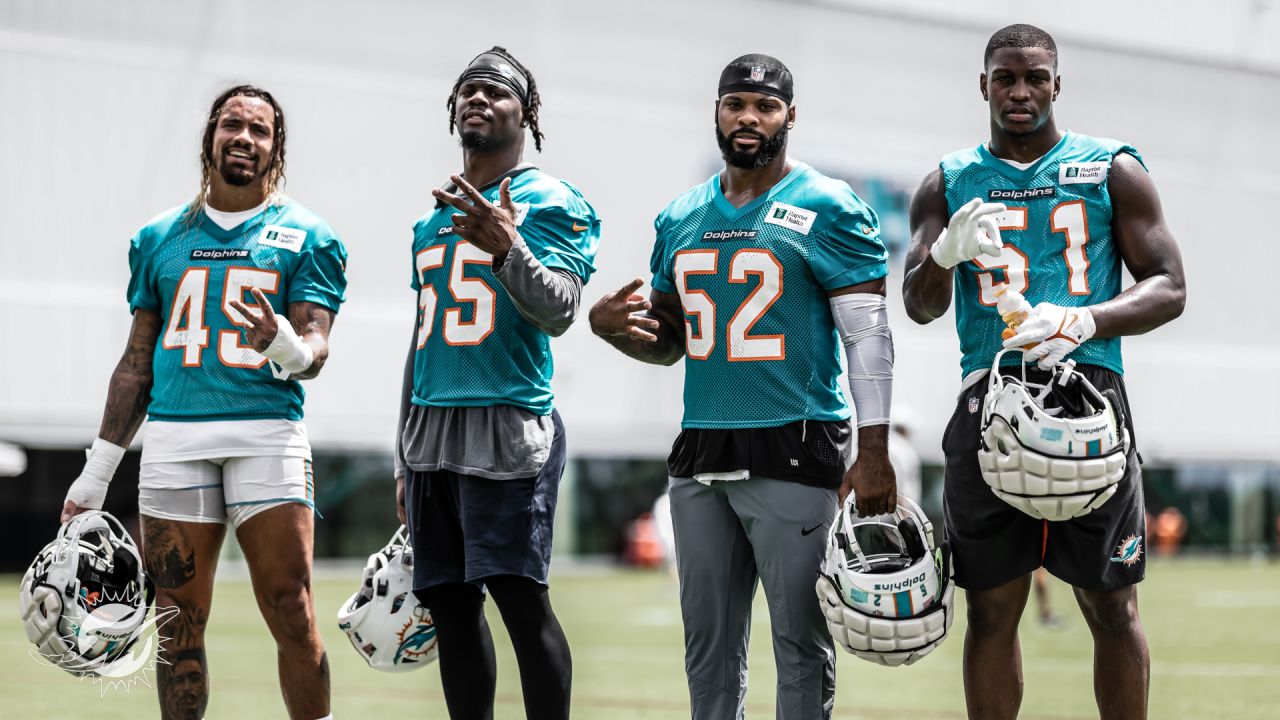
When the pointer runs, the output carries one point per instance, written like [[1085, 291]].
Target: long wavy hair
[[275, 170]]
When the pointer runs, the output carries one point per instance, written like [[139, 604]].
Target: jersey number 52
[[743, 266]]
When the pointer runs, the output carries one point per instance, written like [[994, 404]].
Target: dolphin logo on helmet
[[85, 598], [386, 624]]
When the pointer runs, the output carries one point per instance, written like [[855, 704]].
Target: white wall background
[[101, 106]]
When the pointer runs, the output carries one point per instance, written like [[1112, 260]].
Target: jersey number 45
[[186, 329]]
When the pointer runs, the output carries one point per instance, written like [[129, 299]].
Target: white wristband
[[288, 350], [90, 489]]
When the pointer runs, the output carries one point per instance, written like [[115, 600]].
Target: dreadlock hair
[[530, 109], [275, 171], [1020, 36]]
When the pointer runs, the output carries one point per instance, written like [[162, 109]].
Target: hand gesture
[[622, 313], [874, 486], [260, 323], [972, 231], [492, 228]]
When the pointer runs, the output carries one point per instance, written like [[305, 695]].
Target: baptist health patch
[[1082, 173], [285, 238], [522, 211], [791, 217]]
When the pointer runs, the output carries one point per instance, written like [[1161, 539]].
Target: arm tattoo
[[129, 392], [312, 322]]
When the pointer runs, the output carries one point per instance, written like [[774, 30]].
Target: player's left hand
[[874, 486], [492, 228], [260, 323], [1052, 332]]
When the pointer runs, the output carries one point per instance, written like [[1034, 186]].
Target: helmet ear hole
[[910, 532]]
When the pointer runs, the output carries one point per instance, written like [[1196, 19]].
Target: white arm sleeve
[[862, 320]]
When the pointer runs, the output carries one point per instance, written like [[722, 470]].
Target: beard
[[471, 140], [235, 175], [769, 148], [491, 141]]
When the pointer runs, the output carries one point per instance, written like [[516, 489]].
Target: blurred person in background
[[760, 274], [1079, 208], [233, 296], [903, 455], [498, 265]]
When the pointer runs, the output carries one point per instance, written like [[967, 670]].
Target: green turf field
[[1214, 630]]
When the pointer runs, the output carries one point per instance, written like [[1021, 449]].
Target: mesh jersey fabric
[[188, 269], [1057, 236], [475, 349], [761, 346]]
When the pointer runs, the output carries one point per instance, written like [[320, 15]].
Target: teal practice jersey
[[188, 271], [761, 346], [475, 349], [1057, 241]]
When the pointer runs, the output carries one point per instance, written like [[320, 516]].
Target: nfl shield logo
[[973, 405], [757, 73]]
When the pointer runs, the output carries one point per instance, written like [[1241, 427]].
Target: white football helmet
[[1054, 451], [85, 598], [385, 622], [885, 589]]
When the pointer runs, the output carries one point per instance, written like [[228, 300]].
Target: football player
[[498, 266], [232, 295], [759, 275], [1054, 215]]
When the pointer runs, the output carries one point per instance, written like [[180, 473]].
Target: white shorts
[[220, 489], [164, 441]]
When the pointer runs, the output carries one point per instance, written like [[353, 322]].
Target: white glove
[[1052, 331], [971, 232], [90, 489]]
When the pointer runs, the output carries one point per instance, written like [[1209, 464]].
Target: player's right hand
[[86, 493], [623, 313], [400, 512], [972, 231], [89, 491], [70, 510]]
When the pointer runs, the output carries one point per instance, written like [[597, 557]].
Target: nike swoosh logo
[[803, 531], [579, 228]]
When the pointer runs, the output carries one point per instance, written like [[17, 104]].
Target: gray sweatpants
[[729, 535]]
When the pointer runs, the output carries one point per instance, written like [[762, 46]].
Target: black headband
[[757, 73], [495, 67]]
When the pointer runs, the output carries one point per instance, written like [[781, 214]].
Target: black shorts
[[994, 543], [809, 452], [466, 528]]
